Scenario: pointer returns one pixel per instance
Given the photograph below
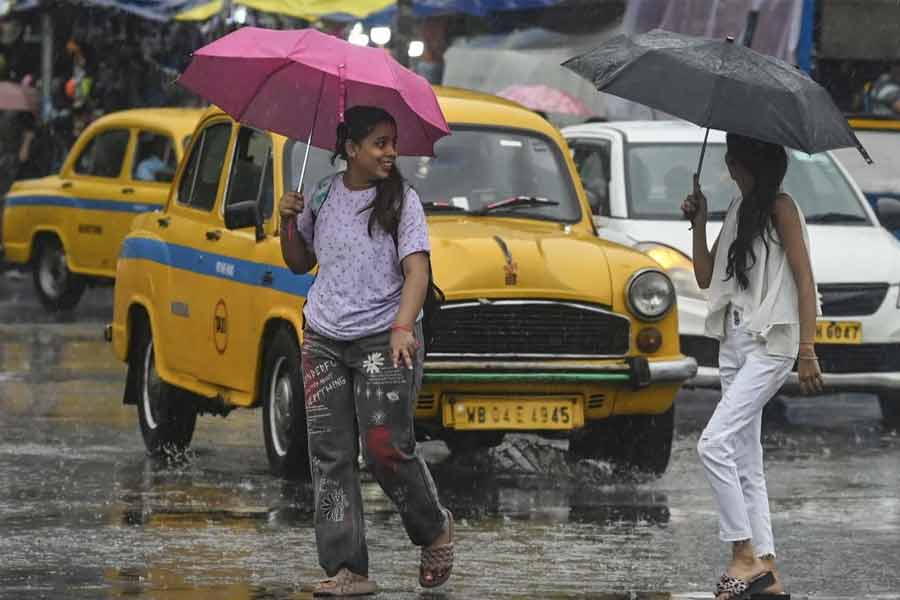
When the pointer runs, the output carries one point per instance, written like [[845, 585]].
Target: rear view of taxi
[[546, 327]]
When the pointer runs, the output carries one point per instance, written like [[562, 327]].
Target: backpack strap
[[320, 195]]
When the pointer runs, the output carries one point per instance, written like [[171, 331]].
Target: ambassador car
[[636, 175], [546, 327], [69, 226]]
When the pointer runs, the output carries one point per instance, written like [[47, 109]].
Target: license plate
[[838, 332], [516, 414]]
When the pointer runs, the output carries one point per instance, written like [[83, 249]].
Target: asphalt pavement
[[85, 514]]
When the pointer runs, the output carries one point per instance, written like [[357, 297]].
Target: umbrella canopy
[[719, 85], [299, 82], [546, 99], [16, 97]]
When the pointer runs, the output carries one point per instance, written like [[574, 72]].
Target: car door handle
[[66, 185], [213, 235], [127, 190], [268, 278], [163, 221]]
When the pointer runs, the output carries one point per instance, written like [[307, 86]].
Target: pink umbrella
[[299, 82], [546, 99], [17, 97]]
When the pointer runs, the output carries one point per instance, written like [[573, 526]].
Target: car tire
[[56, 286], [284, 408], [890, 409], [167, 414], [633, 443], [465, 442]]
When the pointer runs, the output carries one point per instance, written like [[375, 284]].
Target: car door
[[102, 199], [188, 333], [239, 274]]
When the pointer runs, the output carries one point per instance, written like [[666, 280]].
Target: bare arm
[[412, 297], [694, 208], [787, 223], [296, 255]]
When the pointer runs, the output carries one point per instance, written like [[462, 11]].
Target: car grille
[[528, 329], [862, 358], [833, 358], [853, 299], [704, 349]]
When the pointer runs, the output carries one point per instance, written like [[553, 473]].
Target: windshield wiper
[[835, 217], [515, 202], [442, 207]]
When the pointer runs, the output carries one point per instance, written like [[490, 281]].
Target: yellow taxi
[[70, 226], [545, 327]]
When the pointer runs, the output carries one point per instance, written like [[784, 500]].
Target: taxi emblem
[[510, 269], [220, 327]]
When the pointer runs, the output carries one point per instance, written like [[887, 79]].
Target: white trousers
[[730, 446]]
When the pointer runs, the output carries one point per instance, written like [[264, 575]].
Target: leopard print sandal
[[740, 589]]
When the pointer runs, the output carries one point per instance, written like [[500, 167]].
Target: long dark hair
[[359, 122], [767, 163]]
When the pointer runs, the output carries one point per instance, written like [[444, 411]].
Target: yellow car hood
[[469, 261]]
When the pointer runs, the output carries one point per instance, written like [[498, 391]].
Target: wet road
[[84, 514]]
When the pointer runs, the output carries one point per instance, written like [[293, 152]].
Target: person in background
[[884, 97]]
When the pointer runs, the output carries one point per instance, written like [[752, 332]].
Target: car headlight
[[678, 266], [650, 294]]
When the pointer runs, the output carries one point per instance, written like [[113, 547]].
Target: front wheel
[[56, 286], [467, 442], [633, 443], [284, 410], [890, 409], [166, 414]]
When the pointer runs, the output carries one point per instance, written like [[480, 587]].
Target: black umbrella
[[717, 84]]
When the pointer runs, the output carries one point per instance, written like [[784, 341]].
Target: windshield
[[659, 178], [884, 175], [473, 169]]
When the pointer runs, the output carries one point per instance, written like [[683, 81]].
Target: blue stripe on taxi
[[216, 265], [82, 203]]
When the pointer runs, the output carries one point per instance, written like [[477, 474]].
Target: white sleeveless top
[[770, 305]]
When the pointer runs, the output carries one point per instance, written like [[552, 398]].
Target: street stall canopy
[[374, 12]]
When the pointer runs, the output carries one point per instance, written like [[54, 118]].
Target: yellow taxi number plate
[[516, 414], [838, 332]]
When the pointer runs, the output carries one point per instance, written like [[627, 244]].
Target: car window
[[154, 158], [884, 174], [317, 168], [104, 154], [200, 180], [472, 168], [592, 161], [659, 176], [251, 171]]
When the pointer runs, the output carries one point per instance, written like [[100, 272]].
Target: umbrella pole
[[702, 153], [309, 140]]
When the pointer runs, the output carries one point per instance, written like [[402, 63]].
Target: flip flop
[[740, 589], [437, 561]]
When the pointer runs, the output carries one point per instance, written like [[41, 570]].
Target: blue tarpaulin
[[480, 8]]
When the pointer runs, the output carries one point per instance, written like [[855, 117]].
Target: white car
[[638, 173]]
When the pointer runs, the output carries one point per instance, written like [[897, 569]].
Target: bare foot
[[444, 538]]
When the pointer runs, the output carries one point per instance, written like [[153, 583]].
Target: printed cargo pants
[[353, 392]]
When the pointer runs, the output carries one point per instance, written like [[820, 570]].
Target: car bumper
[[638, 372], [708, 377]]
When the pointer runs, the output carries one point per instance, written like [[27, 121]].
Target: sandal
[[437, 562], [739, 589], [345, 583]]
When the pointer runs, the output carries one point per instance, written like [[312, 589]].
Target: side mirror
[[245, 214], [889, 212]]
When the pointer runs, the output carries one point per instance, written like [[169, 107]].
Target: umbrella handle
[[699, 170]]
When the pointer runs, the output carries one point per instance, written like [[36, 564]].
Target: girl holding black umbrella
[[763, 307]]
